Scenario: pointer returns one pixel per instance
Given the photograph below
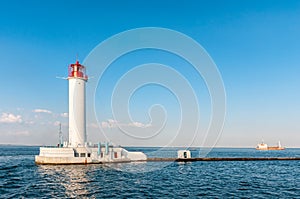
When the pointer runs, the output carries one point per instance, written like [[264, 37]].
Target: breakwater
[[222, 159]]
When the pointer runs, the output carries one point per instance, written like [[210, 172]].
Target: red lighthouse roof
[[77, 71]]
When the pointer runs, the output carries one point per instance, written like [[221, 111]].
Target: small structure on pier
[[184, 154]]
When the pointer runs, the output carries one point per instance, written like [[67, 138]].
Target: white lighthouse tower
[[77, 118]]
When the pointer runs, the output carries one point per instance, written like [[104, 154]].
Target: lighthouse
[[77, 117], [77, 150]]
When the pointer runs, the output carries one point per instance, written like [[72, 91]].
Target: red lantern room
[[77, 70]]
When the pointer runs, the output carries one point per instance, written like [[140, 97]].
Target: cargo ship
[[264, 146]]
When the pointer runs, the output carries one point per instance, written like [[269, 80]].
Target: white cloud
[[41, 111], [110, 123], [10, 118], [104, 124], [139, 125], [93, 125], [64, 115], [57, 123]]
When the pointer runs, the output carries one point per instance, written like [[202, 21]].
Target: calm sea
[[21, 178]]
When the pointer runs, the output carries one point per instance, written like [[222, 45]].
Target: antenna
[[60, 136]]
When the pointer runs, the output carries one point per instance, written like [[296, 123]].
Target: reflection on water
[[184, 167], [73, 178]]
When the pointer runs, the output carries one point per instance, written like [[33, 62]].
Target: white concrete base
[[87, 155], [61, 160]]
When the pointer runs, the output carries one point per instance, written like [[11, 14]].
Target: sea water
[[20, 177]]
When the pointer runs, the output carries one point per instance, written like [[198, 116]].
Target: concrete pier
[[160, 159], [222, 159]]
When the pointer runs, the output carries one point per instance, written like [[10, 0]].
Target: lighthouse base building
[[87, 155], [77, 150]]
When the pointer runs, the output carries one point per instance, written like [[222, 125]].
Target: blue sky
[[255, 45]]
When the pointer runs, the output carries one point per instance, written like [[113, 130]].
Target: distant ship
[[264, 146]]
